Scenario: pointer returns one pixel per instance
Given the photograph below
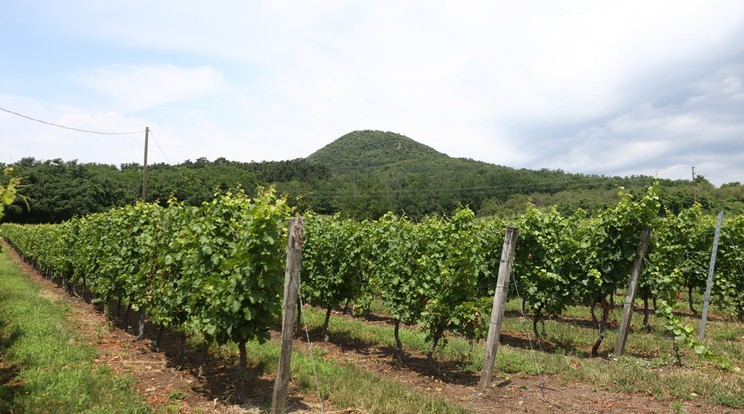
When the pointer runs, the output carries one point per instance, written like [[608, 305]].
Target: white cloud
[[704, 129], [134, 88]]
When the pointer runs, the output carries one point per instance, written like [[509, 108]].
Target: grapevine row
[[215, 270], [440, 273]]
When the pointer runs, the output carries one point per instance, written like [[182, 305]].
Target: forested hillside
[[361, 150], [363, 174], [376, 172]]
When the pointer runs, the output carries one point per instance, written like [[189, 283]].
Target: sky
[[650, 87]]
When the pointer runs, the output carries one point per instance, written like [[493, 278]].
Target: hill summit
[[359, 150]]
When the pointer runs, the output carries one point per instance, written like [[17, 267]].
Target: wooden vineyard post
[[141, 334], [622, 335], [499, 300], [289, 313], [710, 276]]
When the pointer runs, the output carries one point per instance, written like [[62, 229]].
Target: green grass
[[648, 365], [342, 384], [50, 370]]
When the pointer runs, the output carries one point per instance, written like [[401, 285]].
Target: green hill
[[375, 171], [360, 150]]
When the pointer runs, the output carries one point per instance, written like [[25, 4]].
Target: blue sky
[[613, 88]]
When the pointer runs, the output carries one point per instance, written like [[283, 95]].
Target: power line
[[561, 185], [159, 147], [70, 128]]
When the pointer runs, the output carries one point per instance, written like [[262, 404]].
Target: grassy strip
[[648, 367], [344, 385], [51, 371]]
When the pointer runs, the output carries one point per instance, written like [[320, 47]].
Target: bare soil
[[507, 394], [168, 381]]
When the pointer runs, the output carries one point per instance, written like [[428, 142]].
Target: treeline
[[362, 175], [57, 190]]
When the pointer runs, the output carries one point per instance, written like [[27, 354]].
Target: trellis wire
[[541, 383], [310, 348]]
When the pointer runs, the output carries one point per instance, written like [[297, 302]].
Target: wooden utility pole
[[144, 168], [694, 195], [289, 313], [710, 275], [622, 335], [499, 300]]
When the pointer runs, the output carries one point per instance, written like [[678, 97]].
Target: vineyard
[[217, 270]]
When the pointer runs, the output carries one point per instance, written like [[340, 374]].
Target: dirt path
[[514, 394]]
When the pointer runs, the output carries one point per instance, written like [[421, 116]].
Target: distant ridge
[[361, 150]]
